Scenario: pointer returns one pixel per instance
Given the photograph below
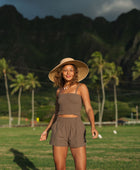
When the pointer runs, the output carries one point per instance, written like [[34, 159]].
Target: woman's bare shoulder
[[58, 91], [82, 86]]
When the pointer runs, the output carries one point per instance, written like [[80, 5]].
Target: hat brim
[[81, 66]]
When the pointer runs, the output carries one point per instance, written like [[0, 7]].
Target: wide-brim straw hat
[[81, 66]]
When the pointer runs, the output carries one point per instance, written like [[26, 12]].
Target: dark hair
[[59, 81]]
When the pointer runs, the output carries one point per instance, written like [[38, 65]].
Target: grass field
[[20, 148]]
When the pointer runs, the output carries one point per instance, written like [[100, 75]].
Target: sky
[[109, 9]]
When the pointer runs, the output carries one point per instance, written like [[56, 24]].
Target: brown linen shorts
[[68, 132]]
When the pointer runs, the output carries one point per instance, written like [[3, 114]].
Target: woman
[[67, 127]]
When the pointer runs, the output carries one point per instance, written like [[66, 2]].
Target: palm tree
[[32, 83], [7, 71], [95, 85], [112, 74], [18, 84], [97, 65], [136, 75], [136, 69]]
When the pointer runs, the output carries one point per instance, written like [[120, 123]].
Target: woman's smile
[[68, 76]]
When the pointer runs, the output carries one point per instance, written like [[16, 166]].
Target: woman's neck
[[67, 84]]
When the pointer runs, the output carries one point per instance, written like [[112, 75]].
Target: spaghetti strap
[[77, 87]]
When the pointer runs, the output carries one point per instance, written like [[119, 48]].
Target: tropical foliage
[[32, 83], [18, 85], [107, 72], [112, 75], [7, 71], [136, 69]]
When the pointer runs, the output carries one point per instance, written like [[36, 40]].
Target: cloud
[[109, 9], [115, 7]]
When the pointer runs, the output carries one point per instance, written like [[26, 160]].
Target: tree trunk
[[137, 113], [8, 100], [19, 105], [99, 104], [32, 107], [103, 99], [116, 106]]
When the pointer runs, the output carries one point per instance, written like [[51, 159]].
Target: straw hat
[[81, 66]]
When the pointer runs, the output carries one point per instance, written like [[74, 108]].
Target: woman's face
[[68, 72]]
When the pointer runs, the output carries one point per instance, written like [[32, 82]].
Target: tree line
[[101, 74], [19, 83]]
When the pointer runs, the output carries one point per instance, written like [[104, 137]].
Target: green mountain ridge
[[39, 44]]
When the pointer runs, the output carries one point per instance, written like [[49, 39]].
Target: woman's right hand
[[44, 136]]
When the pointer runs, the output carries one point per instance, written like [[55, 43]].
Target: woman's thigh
[[60, 155], [79, 155]]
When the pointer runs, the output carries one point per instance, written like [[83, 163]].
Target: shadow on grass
[[22, 161]]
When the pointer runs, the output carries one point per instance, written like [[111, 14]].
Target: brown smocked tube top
[[69, 103]]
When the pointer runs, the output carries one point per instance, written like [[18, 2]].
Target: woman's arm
[[53, 119], [46, 131], [88, 108]]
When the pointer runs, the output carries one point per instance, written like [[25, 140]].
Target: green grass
[[20, 148]]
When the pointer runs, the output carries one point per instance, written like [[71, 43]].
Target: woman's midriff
[[67, 116]]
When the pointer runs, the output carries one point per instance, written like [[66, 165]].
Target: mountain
[[38, 45]]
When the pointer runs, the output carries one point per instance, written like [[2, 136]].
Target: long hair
[[59, 81]]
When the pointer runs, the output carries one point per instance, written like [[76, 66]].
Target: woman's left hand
[[44, 136], [94, 133]]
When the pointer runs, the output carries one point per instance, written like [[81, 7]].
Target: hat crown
[[66, 60]]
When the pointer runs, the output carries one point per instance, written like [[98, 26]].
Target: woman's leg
[[60, 155], [79, 155]]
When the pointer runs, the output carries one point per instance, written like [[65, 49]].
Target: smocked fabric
[[69, 103]]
